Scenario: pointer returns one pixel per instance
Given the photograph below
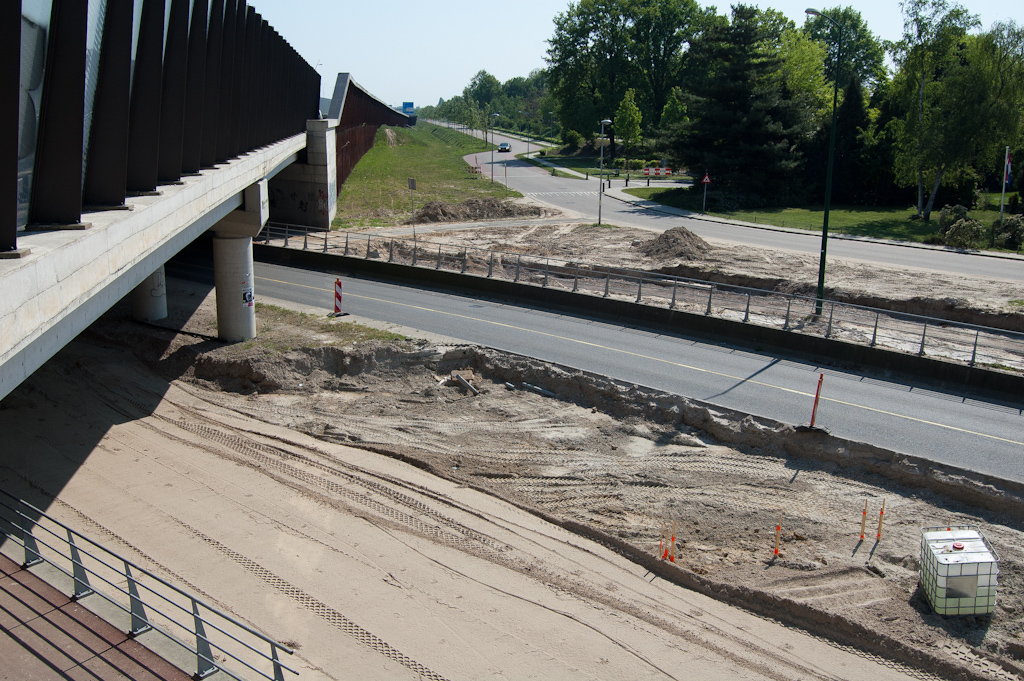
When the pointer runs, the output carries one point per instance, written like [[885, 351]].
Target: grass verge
[[377, 194], [281, 330], [555, 172], [882, 222]]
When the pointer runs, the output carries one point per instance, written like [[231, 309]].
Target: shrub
[[964, 233], [1010, 234], [572, 139], [949, 215]]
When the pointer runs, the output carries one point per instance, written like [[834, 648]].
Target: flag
[[1007, 176]]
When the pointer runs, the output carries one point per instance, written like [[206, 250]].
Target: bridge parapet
[[114, 103]]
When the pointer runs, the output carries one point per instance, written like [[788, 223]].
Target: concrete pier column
[[149, 299], [233, 279], [232, 264]]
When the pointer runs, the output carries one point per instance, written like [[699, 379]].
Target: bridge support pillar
[[232, 264], [149, 299], [233, 278]]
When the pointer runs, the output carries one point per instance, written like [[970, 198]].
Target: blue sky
[[402, 50]]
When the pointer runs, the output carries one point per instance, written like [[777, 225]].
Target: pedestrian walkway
[[46, 635]]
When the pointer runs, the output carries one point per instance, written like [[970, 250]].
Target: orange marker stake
[[661, 539], [664, 555], [817, 396], [864, 519], [881, 516], [672, 555], [778, 533]]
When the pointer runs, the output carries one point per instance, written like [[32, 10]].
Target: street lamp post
[[600, 191], [820, 301], [493, 116]]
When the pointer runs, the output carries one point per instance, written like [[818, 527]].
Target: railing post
[[576, 278], [974, 352], [746, 313], [607, 280], [204, 655], [326, 234], [924, 332], [831, 312], [437, 265], [675, 286], [789, 306], [546, 266], [874, 334], [28, 542], [639, 288], [286, 236], [82, 587], [346, 243], [711, 293], [465, 257], [391, 251], [305, 240], [278, 670], [367, 246], [519, 260], [490, 266], [415, 251], [139, 621]]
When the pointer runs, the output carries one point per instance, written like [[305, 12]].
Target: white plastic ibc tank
[[959, 570]]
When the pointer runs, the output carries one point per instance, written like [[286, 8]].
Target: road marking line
[[661, 360]]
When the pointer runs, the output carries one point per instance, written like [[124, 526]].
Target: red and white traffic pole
[[337, 297]]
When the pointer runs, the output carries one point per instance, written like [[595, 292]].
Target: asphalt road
[[950, 428], [580, 196]]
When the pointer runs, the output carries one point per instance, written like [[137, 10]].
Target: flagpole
[[1002, 201]]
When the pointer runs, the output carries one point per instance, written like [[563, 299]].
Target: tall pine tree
[[745, 127]]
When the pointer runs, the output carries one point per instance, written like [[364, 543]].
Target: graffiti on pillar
[[321, 204]]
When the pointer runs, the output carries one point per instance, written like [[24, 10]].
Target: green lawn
[[377, 194], [880, 222]]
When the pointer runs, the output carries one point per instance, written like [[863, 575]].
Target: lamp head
[[606, 122], [813, 12]]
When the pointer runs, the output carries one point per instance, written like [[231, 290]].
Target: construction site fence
[[919, 335], [218, 641]]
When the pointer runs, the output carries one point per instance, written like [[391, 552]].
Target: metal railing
[[152, 602], [919, 335]]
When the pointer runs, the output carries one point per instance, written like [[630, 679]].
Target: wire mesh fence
[[908, 333]]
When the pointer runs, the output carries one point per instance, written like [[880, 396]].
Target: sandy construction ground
[[363, 505]]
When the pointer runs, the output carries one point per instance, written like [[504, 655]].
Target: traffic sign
[[657, 172], [707, 179]]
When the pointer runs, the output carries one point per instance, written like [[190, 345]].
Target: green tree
[[863, 52], [969, 109], [601, 48], [627, 123], [932, 31], [483, 89], [674, 113], [660, 35], [588, 64], [746, 127], [802, 73]]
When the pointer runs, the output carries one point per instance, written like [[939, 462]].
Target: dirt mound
[[474, 209], [677, 242]]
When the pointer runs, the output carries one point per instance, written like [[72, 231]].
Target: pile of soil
[[677, 242], [475, 209]]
